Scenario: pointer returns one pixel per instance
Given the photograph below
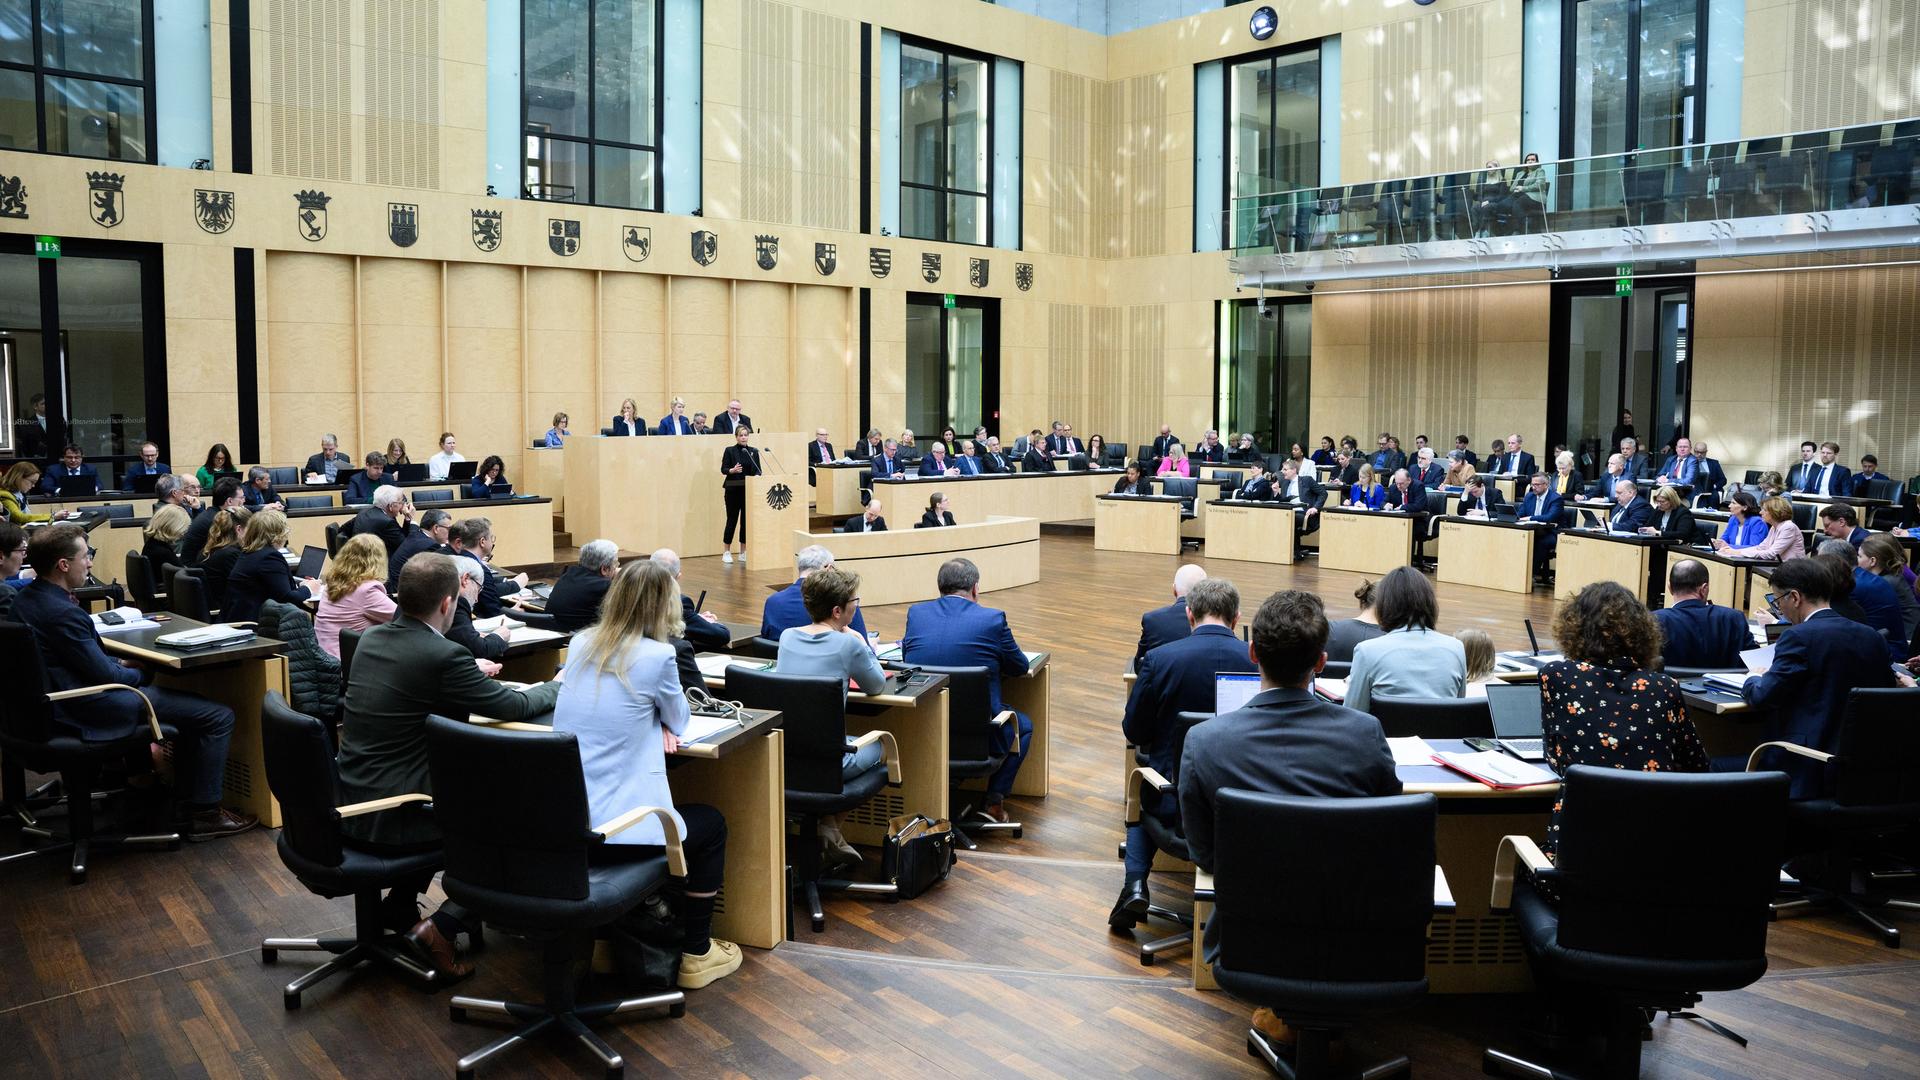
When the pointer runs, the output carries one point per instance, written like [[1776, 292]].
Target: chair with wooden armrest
[[302, 775], [971, 736], [147, 593], [1166, 837], [513, 808], [1637, 914], [32, 740], [1847, 840]]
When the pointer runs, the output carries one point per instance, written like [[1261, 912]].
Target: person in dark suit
[[1697, 633], [1541, 503], [226, 496], [787, 608], [819, 451], [260, 492], [403, 672], [363, 484], [1864, 479], [432, 532], [474, 536], [1174, 678], [1515, 461], [1134, 482], [1465, 446], [968, 460], [70, 647], [1634, 459], [261, 573], [574, 602], [1825, 476], [704, 628], [937, 463], [868, 520], [1257, 488], [329, 462], [1404, 494], [1669, 517], [993, 461], [71, 466], [1708, 477], [1837, 521], [1481, 500], [1170, 623], [1161, 441], [1681, 468], [939, 512], [488, 648], [387, 519], [1210, 451], [629, 422], [732, 420], [1816, 663], [956, 631], [1062, 443], [1603, 485], [492, 471], [869, 447], [1427, 472], [149, 463], [738, 462], [1037, 458], [1630, 512], [31, 430], [1304, 492], [887, 462]]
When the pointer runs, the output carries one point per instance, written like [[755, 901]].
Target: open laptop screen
[[312, 559], [1232, 690], [1515, 709]]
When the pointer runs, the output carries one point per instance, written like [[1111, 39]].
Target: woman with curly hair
[[1604, 705]]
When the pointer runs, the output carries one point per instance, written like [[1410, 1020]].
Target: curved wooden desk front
[[902, 566]]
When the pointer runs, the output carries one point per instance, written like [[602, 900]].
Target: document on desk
[[1758, 660], [1731, 682], [127, 619], [715, 665], [1495, 769], [1410, 750], [705, 728], [1334, 690], [488, 626]]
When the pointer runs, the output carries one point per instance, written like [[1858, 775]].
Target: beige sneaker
[[721, 959]]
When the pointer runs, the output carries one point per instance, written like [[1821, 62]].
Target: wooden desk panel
[[748, 786], [901, 566], [837, 489], [1143, 523], [1365, 542], [1583, 558], [662, 490], [1251, 532], [1490, 556], [544, 472], [1057, 496]]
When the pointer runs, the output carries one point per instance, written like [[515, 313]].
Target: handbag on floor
[[644, 945], [918, 855]]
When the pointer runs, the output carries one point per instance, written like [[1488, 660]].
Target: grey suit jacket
[[402, 672]]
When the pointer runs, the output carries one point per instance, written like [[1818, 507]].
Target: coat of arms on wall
[[213, 210], [403, 223], [105, 202], [311, 214], [706, 247], [636, 242], [563, 236], [488, 228]]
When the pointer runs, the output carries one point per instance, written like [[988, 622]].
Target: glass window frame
[[590, 142], [1569, 65], [1226, 314], [1632, 388], [41, 71], [989, 307], [944, 193], [1272, 58]]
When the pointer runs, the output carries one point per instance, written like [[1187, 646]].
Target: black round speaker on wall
[[1263, 23]]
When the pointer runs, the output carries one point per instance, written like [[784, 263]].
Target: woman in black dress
[[739, 462], [939, 512]]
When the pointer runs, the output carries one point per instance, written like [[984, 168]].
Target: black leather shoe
[[1131, 907]]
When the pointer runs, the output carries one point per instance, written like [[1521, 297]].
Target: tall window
[[1633, 76], [1273, 122], [945, 139], [591, 101], [953, 362], [76, 77], [1261, 384]]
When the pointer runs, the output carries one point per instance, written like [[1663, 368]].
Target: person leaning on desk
[[21, 479], [1695, 633], [1670, 520], [1783, 540], [1630, 511], [1365, 491]]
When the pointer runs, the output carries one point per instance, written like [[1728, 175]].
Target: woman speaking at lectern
[[739, 462]]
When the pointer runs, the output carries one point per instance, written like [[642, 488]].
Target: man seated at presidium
[[327, 465], [868, 520]]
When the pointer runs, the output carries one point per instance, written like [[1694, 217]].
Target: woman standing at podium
[[739, 462]]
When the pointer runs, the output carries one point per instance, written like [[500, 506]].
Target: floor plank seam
[[838, 952]]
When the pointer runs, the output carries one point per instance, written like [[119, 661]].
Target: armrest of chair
[[153, 722], [670, 827], [1442, 892], [887, 743], [1513, 849], [520, 725], [1144, 774], [1791, 748], [1007, 716], [373, 806], [1202, 886]]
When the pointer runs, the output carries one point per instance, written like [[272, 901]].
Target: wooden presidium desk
[[664, 490], [836, 490], [1584, 556], [237, 676], [1490, 553], [902, 566], [1145, 523], [1046, 496], [1365, 541], [1251, 531]]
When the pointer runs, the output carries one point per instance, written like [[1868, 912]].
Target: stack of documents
[[1496, 770]]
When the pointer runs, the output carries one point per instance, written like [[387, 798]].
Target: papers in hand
[[1758, 660], [1410, 750], [1731, 681], [1495, 769], [126, 620]]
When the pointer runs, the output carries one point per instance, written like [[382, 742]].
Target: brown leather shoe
[[217, 822], [432, 949], [995, 812], [1274, 1028]]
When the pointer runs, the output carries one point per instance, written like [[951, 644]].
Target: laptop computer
[[1232, 690], [312, 559], [411, 473], [462, 470], [72, 486], [501, 490], [1516, 720], [142, 483]]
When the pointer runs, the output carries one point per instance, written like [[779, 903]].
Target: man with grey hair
[[172, 490], [486, 648], [432, 533], [260, 493], [887, 462], [1164, 624], [785, 609], [474, 536], [387, 519], [327, 465], [704, 628], [574, 603]]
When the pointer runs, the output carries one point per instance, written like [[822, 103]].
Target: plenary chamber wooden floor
[[153, 967]]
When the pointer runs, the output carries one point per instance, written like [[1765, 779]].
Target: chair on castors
[[1433, 718], [1321, 908], [1163, 829], [1874, 803], [31, 740], [333, 539], [513, 808], [1637, 916], [303, 776], [188, 596], [140, 582], [970, 756], [815, 731]]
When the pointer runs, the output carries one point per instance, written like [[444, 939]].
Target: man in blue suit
[[1682, 466], [786, 609], [71, 466], [937, 463], [1174, 678], [1541, 503], [149, 463], [1825, 476], [884, 464], [1515, 461], [1709, 479], [1838, 522], [1404, 494], [1630, 511], [1169, 623], [1697, 633], [967, 462], [1816, 663], [955, 631]]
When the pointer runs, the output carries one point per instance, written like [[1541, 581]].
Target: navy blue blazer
[[674, 425], [1489, 500], [1882, 607], [785, 609], [709, 636], [1709, 476], [1433, 476], [1413, 502], [953, 631], [360, 489], [1159, 626], [1178, 677], [255, 497], [1540, 508], [620, 427], [70, 647], [259, 576], [883, 467], [1505, 463], [1815, 665], [1699, 634], [50, 478], [1806, 477], [1631, 517], [929, 468]]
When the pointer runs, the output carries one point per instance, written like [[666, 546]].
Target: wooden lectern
[[776, 508]]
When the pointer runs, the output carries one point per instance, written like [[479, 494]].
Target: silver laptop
[[1516, 720], [1232, 690]]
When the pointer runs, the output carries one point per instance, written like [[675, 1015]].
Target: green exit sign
[[1623, 279], [47, 247], [947, 301]]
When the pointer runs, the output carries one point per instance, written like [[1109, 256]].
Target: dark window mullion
[[39, 82], [593, 91]]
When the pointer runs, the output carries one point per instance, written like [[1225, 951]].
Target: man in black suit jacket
[[1174, 678], [868, 521], [1465, 446], [869, 447], [1210, 451], [888, 462], [993, 460], [1697, 633], [1037, 458], [1515, 461], [704, 628], [364, 483], [489, 648], [1161, 441], [70, 648], [574, 603], [1404, 494], [1481, 499], [1062, 443], [1630, 511], [818, 451], [431, 533], [1816, 663], [474, 536], [1257, 488], [387, 519], [329, 462], [1285, 741], [1170, 623], [726, 422], [1634, 459], [1304, 492]]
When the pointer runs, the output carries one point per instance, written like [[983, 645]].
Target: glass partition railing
[[1838, 169]]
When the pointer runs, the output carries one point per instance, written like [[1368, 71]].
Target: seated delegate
[[1366, 492], [787, 608], [492, 471], [1696, 633], [355, 596], [262, 573], [1783, 540], [1745, 528], [1670, 520], [628, 421], [557, 434], [1411, 659], [574, 602], [939, 512]]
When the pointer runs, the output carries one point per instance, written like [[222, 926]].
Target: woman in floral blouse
[[1603, 705]]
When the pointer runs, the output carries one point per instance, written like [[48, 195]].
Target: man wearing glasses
[[819, 452], [71, 648]]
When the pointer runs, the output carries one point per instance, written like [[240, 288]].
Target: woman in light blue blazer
[[620, 697], [1411, 659]]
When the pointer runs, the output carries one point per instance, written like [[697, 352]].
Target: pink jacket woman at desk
[[1175, 463], [1783, 540]]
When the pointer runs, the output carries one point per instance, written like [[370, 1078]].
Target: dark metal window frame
[[1599, 281], [943, 226], [1221, 345], [528, 130], [1272, 58], [989, 307], [41, 72], [1569, 42]]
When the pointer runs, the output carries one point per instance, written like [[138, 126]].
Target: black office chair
[[333, 538], [140, 582], [513, 806], [1321, 914], [349, 641], [1163, 828], [1433, 718], [758, 648], [1875, 802], [303, 776], [188, 596], [440, 495], [283, 475], [1806, 515], [970, 756], [31, 740], [815, 712], [1116, 456], [308, 502], [313, 674], [1647, 918], [1337, 669]]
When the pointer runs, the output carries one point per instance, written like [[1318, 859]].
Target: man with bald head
[[868, 520], [704, 628], [1170, 623]]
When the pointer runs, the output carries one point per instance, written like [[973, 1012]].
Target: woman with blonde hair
[[220, 553], [162, 543], [628, 421], [1783, 540], [22, 478], [356, 591], [1366, 491], [1175, 463], [1479, 661], [397, 453], [1565, 479], [262, 573], [620, 697]]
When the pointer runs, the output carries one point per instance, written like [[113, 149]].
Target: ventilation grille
[[828, 159], [1479, 941], [878, 811], [1852, 63], [1071, 179], [797, 164], [1146, 371], [1066, 345], [1427, 105], [1846, 363], [1129, 208], [402, 81], [1099, 369], [309, 119]]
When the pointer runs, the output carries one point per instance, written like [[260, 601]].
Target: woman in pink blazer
[[356, 591], [1783, 540], [1175, 463]]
